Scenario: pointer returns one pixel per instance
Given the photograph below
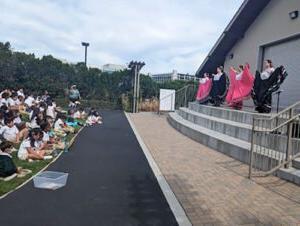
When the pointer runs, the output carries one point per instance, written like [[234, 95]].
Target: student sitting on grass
[[36, 116], [50, 141], [60, 126], [79, 114], [7, 166], [32, 147], [94, 118], [10, 132]]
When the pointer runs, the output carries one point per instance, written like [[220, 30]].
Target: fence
[[275, 141]]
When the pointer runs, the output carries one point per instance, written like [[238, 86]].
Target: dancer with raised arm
[[241, 83], [204, 88], [265, 84]]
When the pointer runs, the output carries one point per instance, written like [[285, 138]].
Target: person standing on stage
[[219, 87], [265, 83]]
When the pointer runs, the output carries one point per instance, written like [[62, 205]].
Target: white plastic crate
[[50, 180]]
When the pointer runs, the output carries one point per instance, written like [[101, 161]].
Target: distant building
[[260, 30], [110, 68], [174, 75]]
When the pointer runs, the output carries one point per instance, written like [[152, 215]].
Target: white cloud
[[166, 34]]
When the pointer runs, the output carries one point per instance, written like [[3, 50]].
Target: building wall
[[271, 25]]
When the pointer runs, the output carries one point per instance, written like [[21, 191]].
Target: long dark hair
[[34, 131], [270, 62]]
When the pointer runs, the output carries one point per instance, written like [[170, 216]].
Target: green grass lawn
[[35, 167]]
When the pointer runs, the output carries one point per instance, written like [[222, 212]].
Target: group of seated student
[[33, 139], [241, 85]]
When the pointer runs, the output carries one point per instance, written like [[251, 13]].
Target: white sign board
[[167, 100]]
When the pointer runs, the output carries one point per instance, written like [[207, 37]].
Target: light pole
[[85, 44], [136, 67]]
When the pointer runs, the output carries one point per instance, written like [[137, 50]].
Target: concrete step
[[231, 128], [238, 130], [296, 163], [291, 174], [233, 147], [226, 113]]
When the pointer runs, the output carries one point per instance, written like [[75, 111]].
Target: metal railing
[[275, 141], [182, 96]]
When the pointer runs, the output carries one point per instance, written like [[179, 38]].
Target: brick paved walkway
[[212, 187]]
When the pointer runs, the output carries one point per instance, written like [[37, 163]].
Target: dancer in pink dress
[[241, 83], [205, 84]]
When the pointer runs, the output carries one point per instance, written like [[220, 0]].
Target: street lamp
[[136, 67], [85, 44]]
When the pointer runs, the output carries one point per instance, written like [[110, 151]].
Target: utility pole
[[85, 44], [136, 68]]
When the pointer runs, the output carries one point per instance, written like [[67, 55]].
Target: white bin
[[50, 180]]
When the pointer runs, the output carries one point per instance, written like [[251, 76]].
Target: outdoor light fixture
[[136, 67], [231, 56], [294, 14], [85, 44]]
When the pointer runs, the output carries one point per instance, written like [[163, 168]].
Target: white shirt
[[77, 114], [238, 76], [18, 102], [46, 137], [17, 120], [203, 80], [9, 133], [3, 102], [58, 123], [23, 148], [51, 111], [217, 76], [20, 93], [29, 101], [267, 73], [25, 145], [11, 102], [33, 123], [4, 153]]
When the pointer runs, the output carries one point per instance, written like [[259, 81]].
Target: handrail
[[277, 127], [177, 91], [281, 112]]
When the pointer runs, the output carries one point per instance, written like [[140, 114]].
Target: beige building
[[262, 29]]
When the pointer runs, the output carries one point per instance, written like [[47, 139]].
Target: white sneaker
[[47, 157]]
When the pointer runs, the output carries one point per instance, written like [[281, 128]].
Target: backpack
[[7, 166]]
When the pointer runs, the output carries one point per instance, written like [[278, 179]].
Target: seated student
[[60, 126], [79, 114], [11, 101], [29, 101], [10, 132], [4, 99], [36, 116], [20, 103], [49, 139], [51, 112], [32, 147], [20, 92], [94, 118], [7, 166], [18, 122]]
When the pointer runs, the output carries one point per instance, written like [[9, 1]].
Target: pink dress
[[239, 90], [204, 89]]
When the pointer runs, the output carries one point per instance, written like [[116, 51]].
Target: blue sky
[[166, 34]]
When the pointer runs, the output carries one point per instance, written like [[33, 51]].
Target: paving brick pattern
[[213, 188]]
